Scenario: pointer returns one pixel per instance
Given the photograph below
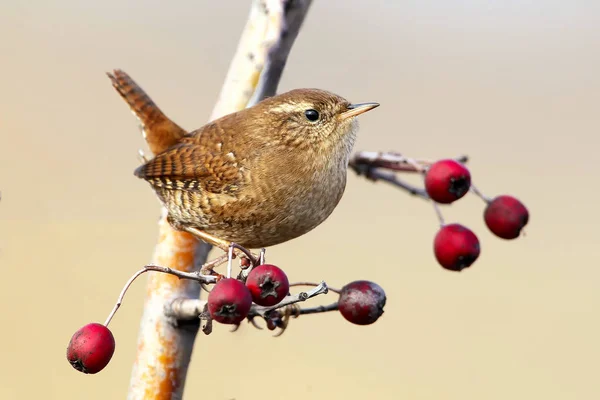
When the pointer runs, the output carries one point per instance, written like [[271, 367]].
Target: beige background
[[513, 84]]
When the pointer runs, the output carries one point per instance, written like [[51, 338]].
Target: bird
[[257, 177]]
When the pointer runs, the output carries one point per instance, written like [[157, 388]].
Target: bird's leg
[[208, 238], [208, 267], [228, 247]]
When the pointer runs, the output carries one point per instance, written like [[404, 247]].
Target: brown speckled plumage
[[260, 176]]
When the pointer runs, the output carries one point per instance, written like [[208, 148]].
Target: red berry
[[447, 181], [91, 348], [229, 301], [268, 285], [456, 247], [505, 216], [361, 302]]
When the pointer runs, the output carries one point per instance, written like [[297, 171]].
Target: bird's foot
[[231, 249], [209, 266], [238, 250], [247, 258]]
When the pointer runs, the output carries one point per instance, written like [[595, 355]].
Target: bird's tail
[[158, 129]]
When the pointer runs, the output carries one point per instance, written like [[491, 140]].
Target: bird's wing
[[189, 166]]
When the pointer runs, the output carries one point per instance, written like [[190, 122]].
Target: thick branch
[[164, 351], [294, 12], [256, 68]]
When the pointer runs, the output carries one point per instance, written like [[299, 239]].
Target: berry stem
[[122, 294], [261, 257], [157, 268], [480, 194], [438, 212], [229, 260], [314, 284]]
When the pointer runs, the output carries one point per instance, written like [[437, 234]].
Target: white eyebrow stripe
[[289, 107]]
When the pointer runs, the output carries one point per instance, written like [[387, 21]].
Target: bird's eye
[[311, 115]]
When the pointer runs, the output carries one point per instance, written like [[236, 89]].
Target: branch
[[337, 291], [164, 349], [162, 359], [189, 309], [294, 12], [166, 270], [391, 178], [391, 161], [289, 300], [318, 309], [373, 165]]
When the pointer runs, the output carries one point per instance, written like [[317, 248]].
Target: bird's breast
[[298, 191]]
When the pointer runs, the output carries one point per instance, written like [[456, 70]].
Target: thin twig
[[194, 276], [391, 161], [180, 274], [186, 309], [318, 309], [338, 291], [391, 178], [321, 288]]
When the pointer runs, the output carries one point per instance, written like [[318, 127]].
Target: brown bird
[[258, 177]]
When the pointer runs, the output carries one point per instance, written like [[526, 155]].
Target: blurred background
[[513, 84]]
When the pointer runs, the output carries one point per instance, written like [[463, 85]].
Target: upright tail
[[159, 130]]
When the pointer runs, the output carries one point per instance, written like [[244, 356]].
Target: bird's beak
[[357, 109]]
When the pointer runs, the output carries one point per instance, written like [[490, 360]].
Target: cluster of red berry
[[230, 302], [230, 299], [456, 247]]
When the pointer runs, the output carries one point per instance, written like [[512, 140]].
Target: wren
[[260, 176]]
